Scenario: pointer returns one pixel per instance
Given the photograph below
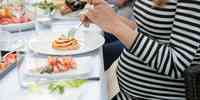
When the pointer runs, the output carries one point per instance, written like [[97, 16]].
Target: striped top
[[168, 43]]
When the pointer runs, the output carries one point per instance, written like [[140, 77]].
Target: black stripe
[[186, 57], [134, 42], [191, 31], [143, 47], [150, 71], [154, 21], [155, 8], [137, 43], [144, 81], [164, 37], [149, 51], [165, 63], [130, 92], [174, 46], [124, 86]]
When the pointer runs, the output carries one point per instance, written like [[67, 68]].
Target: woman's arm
[[124, 33], [169, 59], [130, 23]]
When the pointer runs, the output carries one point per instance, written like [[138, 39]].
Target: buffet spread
[[57, 66]]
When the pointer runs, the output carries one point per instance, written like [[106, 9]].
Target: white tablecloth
[[94, 90]]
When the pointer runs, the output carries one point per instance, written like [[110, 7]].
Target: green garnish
[[34, 87], [47, 69], [18, 1], [60, 86], [72, 32], [48, 6]]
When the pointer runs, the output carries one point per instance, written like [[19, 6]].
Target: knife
[[50, 81]]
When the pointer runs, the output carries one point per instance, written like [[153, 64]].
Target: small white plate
[[89, 41], [71, 16], [18, 26]]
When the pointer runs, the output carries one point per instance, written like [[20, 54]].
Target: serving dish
[[12, 22], [58, 67], [7, 63]]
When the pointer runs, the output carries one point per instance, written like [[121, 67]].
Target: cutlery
[[50, 81], [92, 79], [72, 31]]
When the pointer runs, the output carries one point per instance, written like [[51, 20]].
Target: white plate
[[88, 42], [83, 68], [71, 16], [18, 26]]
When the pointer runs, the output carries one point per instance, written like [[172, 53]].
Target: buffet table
[[92, 90]]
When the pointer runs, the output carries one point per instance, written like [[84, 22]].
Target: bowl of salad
[[62, 9]]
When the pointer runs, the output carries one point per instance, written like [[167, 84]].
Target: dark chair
[[192, 82], [111, 49]]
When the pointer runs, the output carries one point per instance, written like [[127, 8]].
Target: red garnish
[[61, 64]]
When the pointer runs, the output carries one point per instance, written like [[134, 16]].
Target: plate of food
[[62, 9], [11, 23], [7, 63], [58, 67], [61, 44]]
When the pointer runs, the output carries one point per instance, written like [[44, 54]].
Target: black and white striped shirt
[[168, 43]]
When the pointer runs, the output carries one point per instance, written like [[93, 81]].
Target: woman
[[167, 42]]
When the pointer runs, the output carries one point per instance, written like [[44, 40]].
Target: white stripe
[[141, 46], [185, 53], [167, 66], [193, 35], [155, 24], [136, 42], [185, 39], [147, 48], [158, 12], [189, 5], [188, 26], [188, 19], [151, 16], [178, 55], [156, 96], [153, 63], [183, 46], [153, 51], [148, 84], [158, 61], [163, 59], [148, 89], [158, 36], [149, 74]]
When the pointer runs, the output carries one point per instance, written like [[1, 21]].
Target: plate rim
[[17, 24], [67, 53]]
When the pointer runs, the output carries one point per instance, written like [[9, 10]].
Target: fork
[[72, 31]]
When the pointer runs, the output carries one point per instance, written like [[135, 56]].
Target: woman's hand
[[103, 16], [130, 23], [106, 18]]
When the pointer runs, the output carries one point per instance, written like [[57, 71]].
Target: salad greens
[[48, 6], [60, 86], [34, 87], [18, 1]]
